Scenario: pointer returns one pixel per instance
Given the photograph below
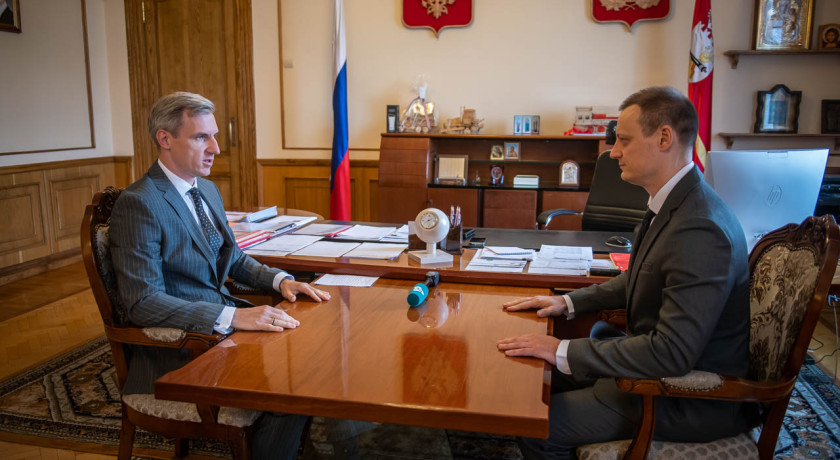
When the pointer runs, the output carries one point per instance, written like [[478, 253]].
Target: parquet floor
[[46, 315]]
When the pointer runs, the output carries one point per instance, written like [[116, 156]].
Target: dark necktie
[[206, 224], [645, 225]]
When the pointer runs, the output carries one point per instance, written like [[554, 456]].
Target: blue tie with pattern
[[206, 224]]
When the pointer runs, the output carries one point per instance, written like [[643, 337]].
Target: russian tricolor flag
[[340, 171]]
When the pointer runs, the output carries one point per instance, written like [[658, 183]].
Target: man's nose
[[615, 152], [214, 146]]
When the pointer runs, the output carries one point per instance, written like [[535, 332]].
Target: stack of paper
[[365, 233], [277, 224], [489, 261], [399, 235], [326, 249], [508, 253], [562, 260], [322, 229], [282, 245]]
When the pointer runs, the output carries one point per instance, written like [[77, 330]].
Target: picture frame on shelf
[[497, 152], [517, 124], [783, 24], [451, 169], [569, 174], [777, 110], [497, 175], [511, 150], [828, 37], [10, 18], [830, 119], [526, 124], [535, 124]]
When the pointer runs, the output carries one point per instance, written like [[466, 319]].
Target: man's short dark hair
[[166, 113], [664, 105]]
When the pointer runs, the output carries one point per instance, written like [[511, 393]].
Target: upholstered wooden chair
[[178, 420], [791, 270]]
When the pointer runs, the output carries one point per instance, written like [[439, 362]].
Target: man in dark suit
[[172, 251], [685, 295]]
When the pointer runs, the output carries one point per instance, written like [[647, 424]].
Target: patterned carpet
[[73, 401]]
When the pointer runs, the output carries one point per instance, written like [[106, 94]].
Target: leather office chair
[[613, 204], [791, 270], [172, 419]]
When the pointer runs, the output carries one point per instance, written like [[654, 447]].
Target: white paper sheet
[[383, 251], [273, 224], [285, 243], [346, 280], [326, 249], [321, 229], [365, 232], [548, 251]]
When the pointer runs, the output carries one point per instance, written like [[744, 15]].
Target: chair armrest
[[545, 217], [184, 340], [706, 385]]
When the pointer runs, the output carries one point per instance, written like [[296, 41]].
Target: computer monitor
[[767, 189]]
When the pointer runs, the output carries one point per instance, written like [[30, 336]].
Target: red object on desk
[[620, 259], [252, 238]]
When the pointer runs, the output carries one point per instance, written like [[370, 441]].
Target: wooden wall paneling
[[123, 171], [305, 184], [70, 190], [510, 208], [467, 199], [564, 200], [26, 236]]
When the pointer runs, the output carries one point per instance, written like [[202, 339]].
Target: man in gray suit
[[172, 251], [685, 295]]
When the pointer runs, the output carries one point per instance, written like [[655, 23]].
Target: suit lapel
[[182, 211], [675, 198]]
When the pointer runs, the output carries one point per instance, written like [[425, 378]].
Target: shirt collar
[[180, 185], [655, 203]]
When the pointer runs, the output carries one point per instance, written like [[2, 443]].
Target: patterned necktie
[[206, 224]]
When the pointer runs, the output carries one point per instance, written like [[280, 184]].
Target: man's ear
[[666, 137], [163, 137]]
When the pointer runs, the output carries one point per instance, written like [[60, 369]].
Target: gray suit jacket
[[166, 273], [686, 293]]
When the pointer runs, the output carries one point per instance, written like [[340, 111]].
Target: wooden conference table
[[366, 355]]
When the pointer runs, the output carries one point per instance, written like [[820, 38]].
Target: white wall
[[527, 57], [108, 80]]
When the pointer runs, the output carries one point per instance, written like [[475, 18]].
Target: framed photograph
[[517, 124], [511, 150], [535, 124], [497, 175], [451, 169], [777, 110], [526, 124], [10, 16], [828, 37], [783, 24], [830, 116], [569, 174], [497, 152]]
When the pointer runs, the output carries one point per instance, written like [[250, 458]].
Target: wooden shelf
[[729, 138], [734, 55]]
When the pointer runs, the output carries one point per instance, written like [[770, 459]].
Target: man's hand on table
[[547, 305], [537, 345], [290, 288], [263, 318]]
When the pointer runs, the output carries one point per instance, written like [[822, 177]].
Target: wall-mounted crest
[[630, 11], [437, 14]]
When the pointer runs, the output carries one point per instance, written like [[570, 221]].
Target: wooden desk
[[366, 355]]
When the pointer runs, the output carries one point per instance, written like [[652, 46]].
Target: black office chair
[[613, 204]]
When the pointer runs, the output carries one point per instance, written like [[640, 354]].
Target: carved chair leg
[[240, 447], [640, 447], [182, 447], [771, 428], [126, 438]]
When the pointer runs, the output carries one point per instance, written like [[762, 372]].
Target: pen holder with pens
[[454, 239]]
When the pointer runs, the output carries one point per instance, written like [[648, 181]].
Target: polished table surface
[[366, 355], [404, 268]]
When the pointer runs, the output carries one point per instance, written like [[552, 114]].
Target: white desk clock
[[431, 226]]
